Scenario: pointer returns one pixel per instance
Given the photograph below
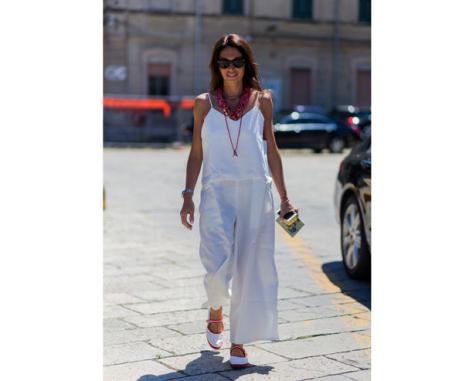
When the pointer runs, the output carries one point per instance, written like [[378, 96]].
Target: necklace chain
[[235, 114], [234, 147]]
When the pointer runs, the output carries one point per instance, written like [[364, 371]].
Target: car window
[[305, 119], [316, 120], [286, 119], [294, 121], [321, 119]]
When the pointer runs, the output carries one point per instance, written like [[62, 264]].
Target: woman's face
[[231, 73]]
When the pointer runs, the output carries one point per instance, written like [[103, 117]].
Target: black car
[[357, 118], [352, 200], [309, 108], [312, 109], [312, 130]]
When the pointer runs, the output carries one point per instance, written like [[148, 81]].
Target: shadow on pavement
[[211, 361], [359, 290], [258, 369]]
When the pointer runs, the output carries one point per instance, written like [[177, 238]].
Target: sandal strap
[[240, 348], [215, 321]]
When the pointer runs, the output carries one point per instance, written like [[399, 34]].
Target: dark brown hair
[[250, 78]]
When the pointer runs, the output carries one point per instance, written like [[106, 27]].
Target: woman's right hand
[[187, 212], [286, 207]]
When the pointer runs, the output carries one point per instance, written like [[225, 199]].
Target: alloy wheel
[[336, 145], [351, 236]]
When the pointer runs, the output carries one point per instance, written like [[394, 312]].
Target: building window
[[158, 79], [302, 9], [233, 7], [364, 11]]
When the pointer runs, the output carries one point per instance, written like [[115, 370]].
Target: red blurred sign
[[147, 104]]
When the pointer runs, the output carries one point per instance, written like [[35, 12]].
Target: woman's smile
[[231, 75]]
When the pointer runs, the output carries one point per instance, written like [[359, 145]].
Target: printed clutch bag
[[292, 228]]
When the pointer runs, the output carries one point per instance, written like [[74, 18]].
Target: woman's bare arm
[[274, 158], [195, 157], [194, 163]]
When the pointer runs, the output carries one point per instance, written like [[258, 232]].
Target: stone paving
[[153, 290]]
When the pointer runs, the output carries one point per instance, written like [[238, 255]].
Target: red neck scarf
[[237, 112]]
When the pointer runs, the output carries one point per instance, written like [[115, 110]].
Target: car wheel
[[317, 150], [336, 144], [354, 246]]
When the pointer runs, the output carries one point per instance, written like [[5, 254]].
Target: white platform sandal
[[237, 362], [215, 340]]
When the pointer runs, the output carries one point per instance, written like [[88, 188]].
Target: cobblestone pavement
[[153, 323]]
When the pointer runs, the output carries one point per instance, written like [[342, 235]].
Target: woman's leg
[[253, 313], [217, 224], [216, 315]]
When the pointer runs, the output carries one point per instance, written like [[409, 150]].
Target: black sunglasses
[[237, 62]]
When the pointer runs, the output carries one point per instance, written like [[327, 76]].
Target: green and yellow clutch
[[290, 223]]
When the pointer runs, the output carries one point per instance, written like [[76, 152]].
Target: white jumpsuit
[[237, 226]]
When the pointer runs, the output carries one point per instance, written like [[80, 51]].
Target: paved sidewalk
[[153, 323]]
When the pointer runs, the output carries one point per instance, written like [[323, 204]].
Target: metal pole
[[198, 39], [335, 54], [126, 49]]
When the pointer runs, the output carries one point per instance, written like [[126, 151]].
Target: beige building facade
[[309, 52]]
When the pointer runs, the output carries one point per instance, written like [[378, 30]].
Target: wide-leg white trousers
[[237, 234]]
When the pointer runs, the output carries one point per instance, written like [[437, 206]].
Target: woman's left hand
[[286, 207]]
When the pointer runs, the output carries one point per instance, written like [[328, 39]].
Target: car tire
[[317, 150], [354, 246], [336, 144], [366, 132]]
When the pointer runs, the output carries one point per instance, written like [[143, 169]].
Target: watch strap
[[187, 190]]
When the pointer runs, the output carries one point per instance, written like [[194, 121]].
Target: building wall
[[323, 10], [141, 31]]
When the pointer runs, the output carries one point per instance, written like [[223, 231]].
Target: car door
[[364, 186], [287, 133], [311, 131], [322, 129]]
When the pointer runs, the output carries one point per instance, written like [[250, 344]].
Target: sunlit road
[[153, 323]]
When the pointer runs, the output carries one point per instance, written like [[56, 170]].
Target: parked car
[[310, 108], [312, 130], [313, 109], [358, 119], [352, 200]]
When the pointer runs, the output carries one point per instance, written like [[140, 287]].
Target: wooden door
[[158, 79], [300, 86], [363, 88]]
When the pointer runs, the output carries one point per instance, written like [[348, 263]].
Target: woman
[[233, 137]]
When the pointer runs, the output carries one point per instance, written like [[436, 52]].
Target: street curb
[[154, 145]]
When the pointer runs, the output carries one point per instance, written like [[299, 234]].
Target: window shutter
[[302, 9], [233, 7], [364, 11]]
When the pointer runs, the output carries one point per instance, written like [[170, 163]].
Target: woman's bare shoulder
[[266, 102], [267, 95], [202, 104]]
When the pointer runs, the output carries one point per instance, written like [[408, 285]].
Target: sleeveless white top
[[218, 160]]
